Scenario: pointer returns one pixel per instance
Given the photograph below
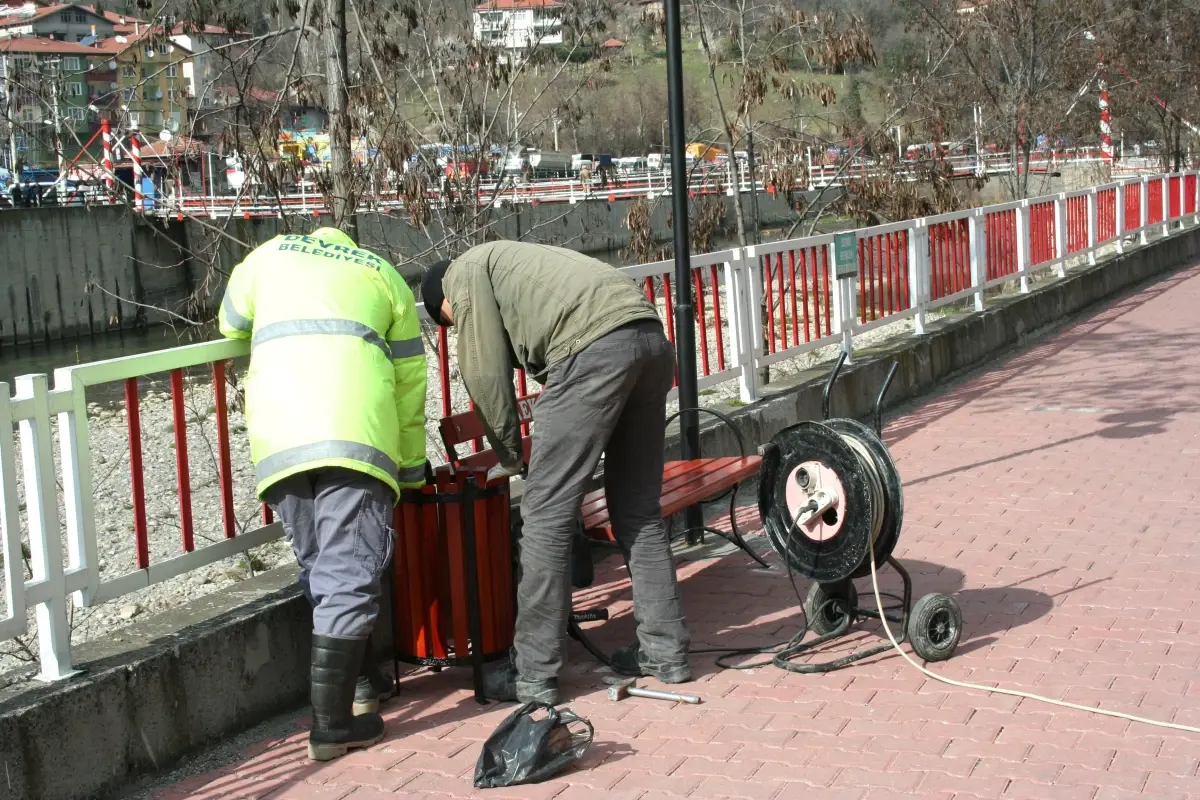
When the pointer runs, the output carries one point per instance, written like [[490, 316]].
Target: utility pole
[[60, 191], [980, 170], [340, 162], [11, 113]]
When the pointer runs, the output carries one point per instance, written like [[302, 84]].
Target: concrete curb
[[225, 662], [183, 680]]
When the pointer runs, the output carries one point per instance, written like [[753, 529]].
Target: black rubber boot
[[503, 683], [373, 686], [633, 663], [335, 729]]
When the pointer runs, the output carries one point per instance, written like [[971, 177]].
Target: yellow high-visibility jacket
[[337, 364]]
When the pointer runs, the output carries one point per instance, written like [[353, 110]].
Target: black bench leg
[[733, 536], [737, 535]]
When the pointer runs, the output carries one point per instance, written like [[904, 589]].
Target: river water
[[45, 358]]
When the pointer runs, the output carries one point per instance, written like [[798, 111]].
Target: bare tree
[[1021, 61], [1148, 51]]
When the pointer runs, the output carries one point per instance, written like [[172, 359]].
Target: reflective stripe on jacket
[[337, 365]]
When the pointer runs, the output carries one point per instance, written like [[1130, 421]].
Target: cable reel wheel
[[934, 627], [831, 501], [830, 606]]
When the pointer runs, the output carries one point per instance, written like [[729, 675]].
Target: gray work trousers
[[339, 523], [610, 399]]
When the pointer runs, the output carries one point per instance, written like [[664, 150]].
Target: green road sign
[[845, 254]]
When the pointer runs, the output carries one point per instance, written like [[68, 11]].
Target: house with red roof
[[134, 80], [519, 25], [65, 22]]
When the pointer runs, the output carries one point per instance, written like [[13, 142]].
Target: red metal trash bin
[[453, 595]]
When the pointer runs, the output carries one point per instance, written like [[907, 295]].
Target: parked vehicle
[[631, 165], [549, 164]]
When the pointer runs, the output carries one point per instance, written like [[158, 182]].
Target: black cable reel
[[830, 495]]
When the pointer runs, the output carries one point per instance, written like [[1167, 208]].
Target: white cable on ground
[[1012, 692], [868, 461]]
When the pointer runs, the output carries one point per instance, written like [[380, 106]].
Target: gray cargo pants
[[339, 523], [608, 398]]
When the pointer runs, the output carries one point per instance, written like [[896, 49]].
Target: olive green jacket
[[529, 305]]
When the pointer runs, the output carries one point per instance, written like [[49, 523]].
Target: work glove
[[505, 471]]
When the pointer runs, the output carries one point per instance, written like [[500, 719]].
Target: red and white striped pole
[[106, 134], [135, 153], [1106, 145]]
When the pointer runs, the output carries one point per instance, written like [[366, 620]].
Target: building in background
[[60, 90], [150, 79], [213, 57], [46, 89], [65, 23], [519, 25]]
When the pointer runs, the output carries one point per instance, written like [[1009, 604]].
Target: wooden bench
[[685, 483]]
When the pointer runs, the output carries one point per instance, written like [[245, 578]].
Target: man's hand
[[505, 471]]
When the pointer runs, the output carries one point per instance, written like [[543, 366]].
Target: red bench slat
[[702, 479], [675, 474]]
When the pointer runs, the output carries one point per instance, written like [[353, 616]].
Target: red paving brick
[[1054, 495]]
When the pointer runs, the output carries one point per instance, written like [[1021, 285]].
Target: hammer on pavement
[[619, 690]]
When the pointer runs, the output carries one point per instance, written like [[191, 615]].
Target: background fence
[[755, 307]]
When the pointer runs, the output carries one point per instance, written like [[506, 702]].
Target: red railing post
[[220, 406], [716, 304], [805, 294], [782, 301], [862, 284], [181, 460], [825, 289], [698, 277], [444, 368], [768, 290], [133, 421]]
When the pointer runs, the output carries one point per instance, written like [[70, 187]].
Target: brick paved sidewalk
[[1054, 495]]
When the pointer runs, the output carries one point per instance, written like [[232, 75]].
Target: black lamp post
[[685, 326]]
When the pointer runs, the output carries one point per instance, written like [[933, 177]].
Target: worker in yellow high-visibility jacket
[[335, 407]]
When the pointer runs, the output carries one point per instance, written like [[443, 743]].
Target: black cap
[[431, 290]]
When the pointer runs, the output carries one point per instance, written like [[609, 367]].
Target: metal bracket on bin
[[422, 538]]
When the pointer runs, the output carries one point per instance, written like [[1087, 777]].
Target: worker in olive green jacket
[[589, 334], [335, 409]]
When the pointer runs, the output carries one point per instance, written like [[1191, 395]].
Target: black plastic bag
[[528, 750]]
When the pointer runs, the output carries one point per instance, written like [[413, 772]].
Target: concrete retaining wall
[[227, 661], [64, 268]]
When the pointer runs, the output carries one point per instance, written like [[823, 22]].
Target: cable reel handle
[[833, 376], [887, 384]]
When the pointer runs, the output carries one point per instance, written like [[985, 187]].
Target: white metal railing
[[756, 307]]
